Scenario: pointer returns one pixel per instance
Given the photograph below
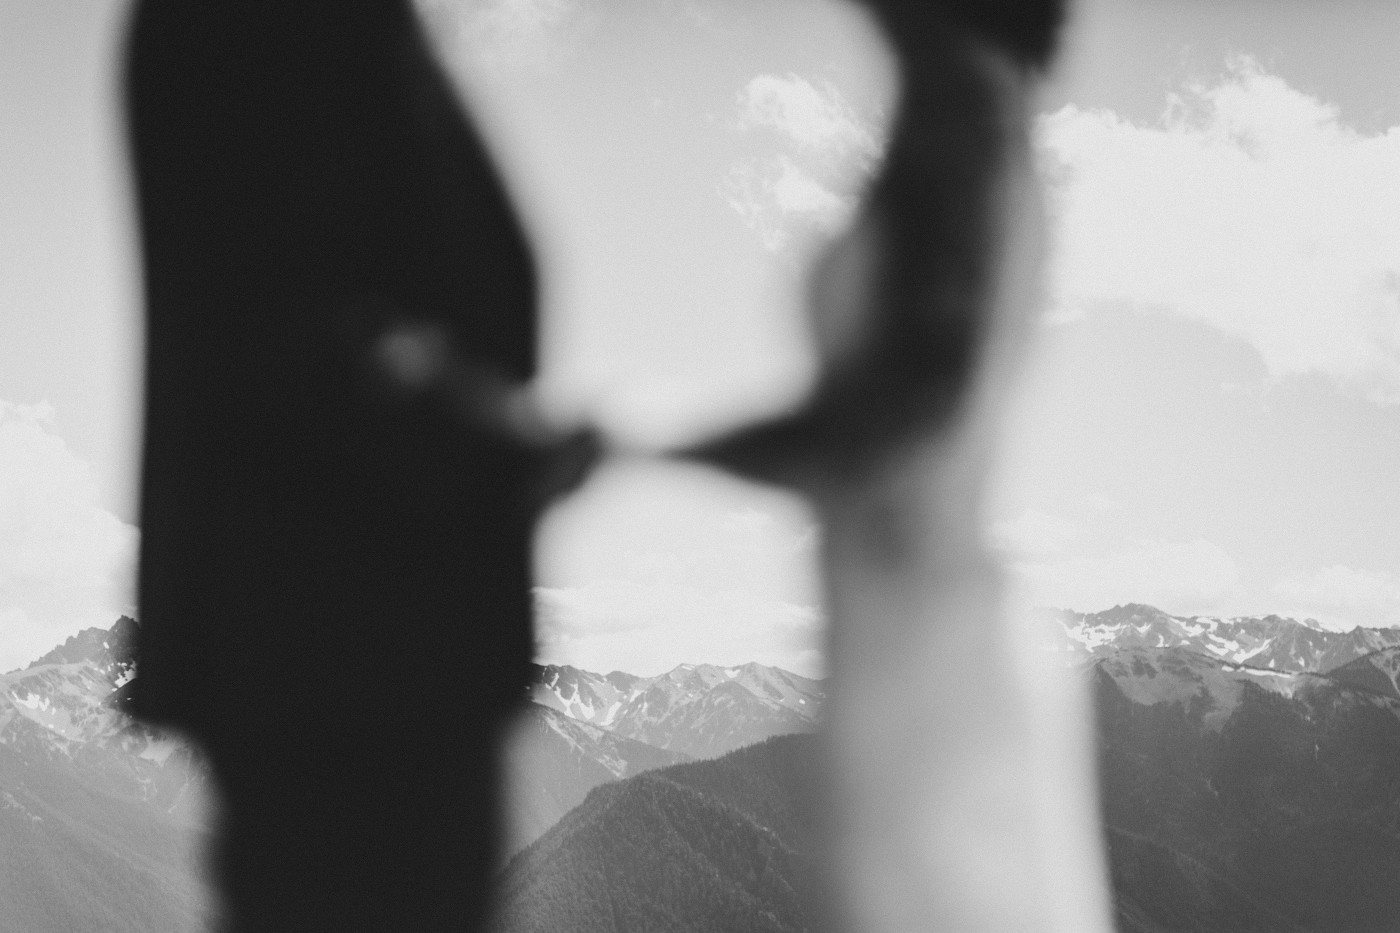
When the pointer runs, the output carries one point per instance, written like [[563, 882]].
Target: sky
[[1210, 422]]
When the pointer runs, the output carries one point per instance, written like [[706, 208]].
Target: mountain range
[[1250, 781], [65, 712], [101, 818], [1270, 642], [699, 710], [583, 729], [1250, 775], [1242, 800]]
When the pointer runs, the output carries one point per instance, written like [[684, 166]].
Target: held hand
[[417, 358]]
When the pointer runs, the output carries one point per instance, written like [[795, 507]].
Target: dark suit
[[334, 579]]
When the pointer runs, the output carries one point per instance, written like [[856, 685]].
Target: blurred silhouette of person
[[342, 470], [974, 808], [341, 467]]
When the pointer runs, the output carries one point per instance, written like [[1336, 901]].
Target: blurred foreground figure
[[341, 475], [340, 479], [974, 810]]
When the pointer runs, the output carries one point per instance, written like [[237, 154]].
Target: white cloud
[[499, 32], [644, 628], [778, 199], [525, 15], [653, 565], [1341, 597], [1249, 206], [1188, 577], [816, 119], [824, 148], [65, 562], [1033, 534]]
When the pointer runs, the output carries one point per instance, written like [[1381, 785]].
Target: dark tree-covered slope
[[712, 845], [1278, 814], [74, 859], [556, 761]]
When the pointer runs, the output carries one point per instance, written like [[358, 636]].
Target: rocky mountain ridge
[[1270, 642], [698, 710], [1245, 785], [65, 709], [102, 819]]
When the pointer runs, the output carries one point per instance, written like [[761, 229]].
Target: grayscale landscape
[[1250, 772], [1208, 421]]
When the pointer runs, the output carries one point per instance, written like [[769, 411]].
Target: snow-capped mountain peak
[[65, 709]]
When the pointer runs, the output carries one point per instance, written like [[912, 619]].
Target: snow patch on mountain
[[1148, 676]]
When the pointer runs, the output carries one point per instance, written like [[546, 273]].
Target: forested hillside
[[695, 848]]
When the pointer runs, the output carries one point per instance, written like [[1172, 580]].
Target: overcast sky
[[1211, 423]]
